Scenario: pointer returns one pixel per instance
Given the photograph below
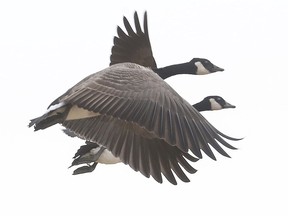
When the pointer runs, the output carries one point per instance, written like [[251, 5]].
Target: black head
[[204, 66], [218, 103]]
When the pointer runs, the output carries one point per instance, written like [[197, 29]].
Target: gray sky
[[45, 48]]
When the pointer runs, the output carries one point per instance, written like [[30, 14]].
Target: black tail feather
[[46, 121], [49, 119]]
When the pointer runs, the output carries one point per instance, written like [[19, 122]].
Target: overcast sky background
[[46, 47]]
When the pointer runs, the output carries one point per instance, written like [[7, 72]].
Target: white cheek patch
[[79, 113], [108, 158], [201, 70], [214, 104]]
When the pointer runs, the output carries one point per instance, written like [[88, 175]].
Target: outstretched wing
[[136, 94], [133, 47]]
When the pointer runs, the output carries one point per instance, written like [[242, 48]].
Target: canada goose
[[135, 47], [91, 154], [137, 116], [212, 103]]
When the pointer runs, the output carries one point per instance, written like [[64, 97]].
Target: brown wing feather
[[135, 146], [134, 47], [124, 91]]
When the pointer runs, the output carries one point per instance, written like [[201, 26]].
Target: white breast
[[108, 158]]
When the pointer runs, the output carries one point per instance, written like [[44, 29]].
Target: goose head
[[212, 103], [204, 66]]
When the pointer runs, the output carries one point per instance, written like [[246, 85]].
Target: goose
[[91, 153], [136, 115], [135, 47], [213, 102]]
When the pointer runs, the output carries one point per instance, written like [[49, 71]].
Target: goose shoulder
[[123, 81]]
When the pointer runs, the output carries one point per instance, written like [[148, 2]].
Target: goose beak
[[228, 105], [216, 68]]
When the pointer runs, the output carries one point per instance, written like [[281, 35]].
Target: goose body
[[137, 116], [136, 47]]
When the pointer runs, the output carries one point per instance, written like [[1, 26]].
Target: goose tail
[[52, 116]]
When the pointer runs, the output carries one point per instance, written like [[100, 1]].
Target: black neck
[[202, 106], [184, 68]]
